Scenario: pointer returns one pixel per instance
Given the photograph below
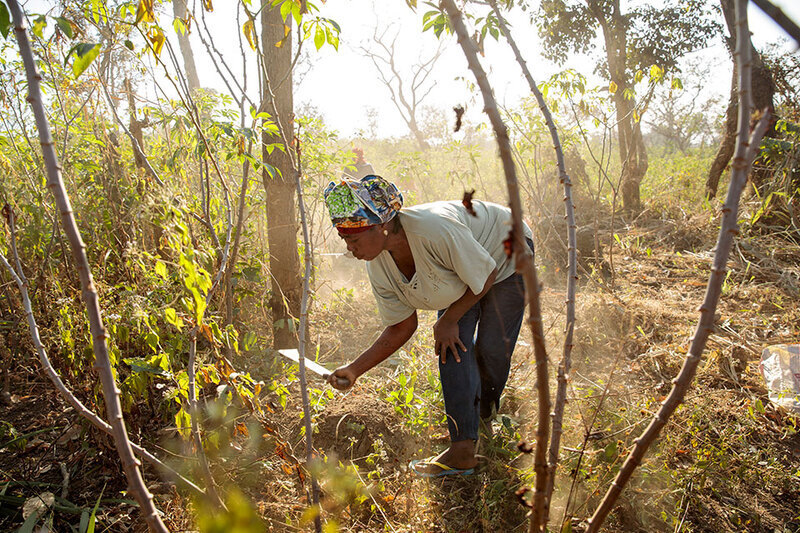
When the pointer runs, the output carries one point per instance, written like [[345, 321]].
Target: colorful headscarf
[[355, 205]]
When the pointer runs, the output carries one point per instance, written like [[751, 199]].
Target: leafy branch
[[22, 283]]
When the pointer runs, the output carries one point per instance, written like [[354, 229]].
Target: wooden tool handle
[[342, 382]]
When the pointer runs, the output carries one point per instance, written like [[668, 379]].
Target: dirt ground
[[727, 461]]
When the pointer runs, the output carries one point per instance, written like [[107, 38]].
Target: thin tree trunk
[[240, 216], [746, 148], [523, 260], [762, 91], [136, 127], [284, 262], [55, 183], [194, 411], [632, 152], [726, 145], [303, 344], [572, 273], [179, 10]]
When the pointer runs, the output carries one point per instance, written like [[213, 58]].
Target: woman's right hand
[[342, 378]]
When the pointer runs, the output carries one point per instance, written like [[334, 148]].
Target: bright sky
[[344, 86]]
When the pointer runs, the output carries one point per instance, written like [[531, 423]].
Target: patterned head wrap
[[356, 205]]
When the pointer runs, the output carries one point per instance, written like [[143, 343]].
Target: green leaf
[[99, 12], [92, 518], [161, 269], [39, 24], [333, 39], [610, 452], [85, 53], [286, 7], [138, 364], [183, 422], [171, 316], [128, 44], [152, 341], [179, 26], [199, 306], [628, 94], [319, 37], [30, 523], [65, 26], [656, 73], [84, 524], [5, 20], [250, 339]]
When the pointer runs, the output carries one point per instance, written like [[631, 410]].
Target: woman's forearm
[[391, 340], [468, 299]]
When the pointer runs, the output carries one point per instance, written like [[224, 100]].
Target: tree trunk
[[282, 223], [632, 152], [726, 145], [762, 91], [418, 135], [136, 126], [179, 10]]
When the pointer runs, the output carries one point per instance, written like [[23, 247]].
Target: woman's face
[[367, 244]]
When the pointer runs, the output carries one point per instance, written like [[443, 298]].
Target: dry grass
[[728, 461]]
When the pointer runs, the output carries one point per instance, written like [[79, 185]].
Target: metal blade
[[316, 368]]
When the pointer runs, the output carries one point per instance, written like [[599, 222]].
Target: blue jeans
[[489, 331]]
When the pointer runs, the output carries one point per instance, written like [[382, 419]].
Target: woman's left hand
[[445, 336]]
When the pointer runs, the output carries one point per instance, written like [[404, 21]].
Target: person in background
[[442, 257], [360, 168]]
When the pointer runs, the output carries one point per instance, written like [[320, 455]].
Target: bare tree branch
[[303, 344], [745, 150], [406, 100], [523, 262], [102, 363], [134, 142], [780, 18], [572, 273]]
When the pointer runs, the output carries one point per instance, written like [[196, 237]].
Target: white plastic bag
[[780, 366]]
